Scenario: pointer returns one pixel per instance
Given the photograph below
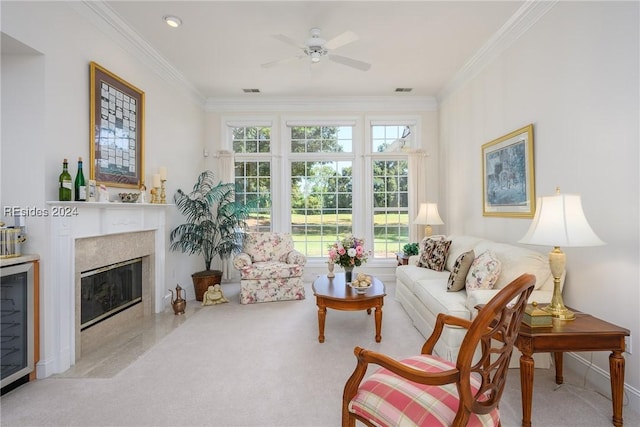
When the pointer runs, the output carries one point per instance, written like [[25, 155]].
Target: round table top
[[337, 288]]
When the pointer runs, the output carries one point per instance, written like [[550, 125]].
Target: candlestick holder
[[155, 196], [163, 191]]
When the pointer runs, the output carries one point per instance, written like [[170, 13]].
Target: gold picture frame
[[508, 188], [117, 130]]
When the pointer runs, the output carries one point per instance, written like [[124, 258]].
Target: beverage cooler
[[18, 318]]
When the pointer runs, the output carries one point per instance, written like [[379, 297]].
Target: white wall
[[45, 105], [575, 76]]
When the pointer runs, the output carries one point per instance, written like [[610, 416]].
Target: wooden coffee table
[[336, 294]]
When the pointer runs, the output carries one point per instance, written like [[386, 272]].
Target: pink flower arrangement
[[348, 252]]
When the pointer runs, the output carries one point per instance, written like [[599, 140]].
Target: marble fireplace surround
[[96, 252], [94, 233]]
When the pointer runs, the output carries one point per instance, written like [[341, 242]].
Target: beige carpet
[[261, 365]]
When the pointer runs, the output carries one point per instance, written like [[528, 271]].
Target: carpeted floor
[[255, 365]]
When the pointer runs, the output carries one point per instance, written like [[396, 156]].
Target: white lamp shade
[[559, 221], [428, 215]]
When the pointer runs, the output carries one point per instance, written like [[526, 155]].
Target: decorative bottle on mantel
[[64, 183], [80, 186]]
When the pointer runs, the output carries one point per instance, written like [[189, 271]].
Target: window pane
[[385, 138], [251, 139], [390, 207], [253, 181], [321, 204], [321, 139]]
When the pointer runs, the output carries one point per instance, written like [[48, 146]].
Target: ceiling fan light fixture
[[172, 21], [315, 56]]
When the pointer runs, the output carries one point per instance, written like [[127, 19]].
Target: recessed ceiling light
[[172, 21]]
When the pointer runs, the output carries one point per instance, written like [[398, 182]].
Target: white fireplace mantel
[[66, 222]]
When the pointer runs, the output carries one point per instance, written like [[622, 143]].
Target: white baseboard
[[600, 380]]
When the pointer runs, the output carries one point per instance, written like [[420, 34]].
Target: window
[[251, 139], [321, 190], [390, 178], [326, 178], [253, 176]]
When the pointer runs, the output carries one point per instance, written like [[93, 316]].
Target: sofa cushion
[[516, 261], [484, 271], [411, 274], [460, 245], [433, 294], [435, 254], [458, 276]]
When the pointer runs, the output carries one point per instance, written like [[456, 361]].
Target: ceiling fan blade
[[341, 40], [283, 61], [350, 62], [289, 40]]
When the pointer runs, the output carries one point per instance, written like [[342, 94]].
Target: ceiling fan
[[316, 47]]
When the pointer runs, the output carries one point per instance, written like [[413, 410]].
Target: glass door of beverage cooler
[[16, 330]]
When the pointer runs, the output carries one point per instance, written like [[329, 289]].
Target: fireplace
[[115, 255], [108, 290], [100, 234]]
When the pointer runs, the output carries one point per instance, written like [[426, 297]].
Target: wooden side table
[[584, 333], [402, 258]]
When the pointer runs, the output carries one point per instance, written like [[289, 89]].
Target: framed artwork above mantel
[[507, 175], [117, 130]]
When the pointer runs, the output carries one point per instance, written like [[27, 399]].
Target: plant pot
[[203, 279]]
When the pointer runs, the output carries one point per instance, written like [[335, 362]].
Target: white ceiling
[[220, 46]]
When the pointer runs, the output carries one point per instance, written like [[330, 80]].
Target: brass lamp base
[[557, 309], [561, 313], [428, 231]]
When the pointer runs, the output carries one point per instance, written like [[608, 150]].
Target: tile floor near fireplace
[[134, 339]]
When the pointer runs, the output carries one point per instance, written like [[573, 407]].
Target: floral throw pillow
[[484, 271], [458, 276], [434, 255]]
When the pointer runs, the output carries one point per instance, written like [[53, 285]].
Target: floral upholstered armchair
[[270, 268]]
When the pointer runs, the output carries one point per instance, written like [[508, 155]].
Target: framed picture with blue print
[[508, 188]]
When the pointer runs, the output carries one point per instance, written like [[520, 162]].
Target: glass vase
[[330, 266], [348, 273]]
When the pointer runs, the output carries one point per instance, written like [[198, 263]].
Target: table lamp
[[559, 221], [428, 215]]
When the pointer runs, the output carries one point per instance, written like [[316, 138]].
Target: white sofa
[[423, 292]]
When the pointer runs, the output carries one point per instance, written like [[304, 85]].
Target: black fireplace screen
[[108, 290]]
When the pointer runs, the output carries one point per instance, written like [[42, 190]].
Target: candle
[[156, 180], [163, 173]]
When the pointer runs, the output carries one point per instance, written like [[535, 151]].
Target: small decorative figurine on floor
[[213, 296]]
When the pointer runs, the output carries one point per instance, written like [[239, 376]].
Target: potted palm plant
[[214, 226]]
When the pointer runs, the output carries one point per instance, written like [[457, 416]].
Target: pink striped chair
[[427, 390]]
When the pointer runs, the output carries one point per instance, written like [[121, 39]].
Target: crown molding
[[517, 25], [110, 23], [103, 17], [350, 103]]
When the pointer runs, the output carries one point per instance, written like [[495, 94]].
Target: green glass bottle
[[79, 185], [64, 183]]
